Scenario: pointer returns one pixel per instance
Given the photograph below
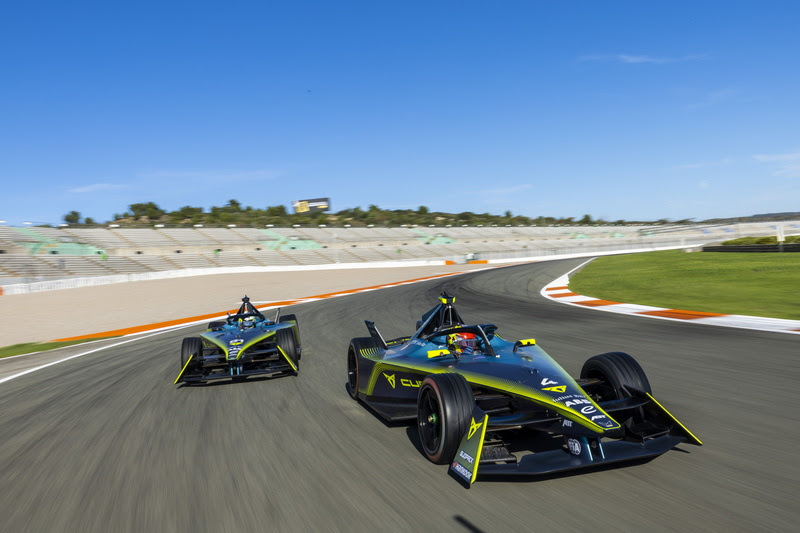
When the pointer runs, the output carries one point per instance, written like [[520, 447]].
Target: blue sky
[[621, 110]]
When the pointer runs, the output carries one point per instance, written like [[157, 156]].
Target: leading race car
[[507, 408], [244, 344]]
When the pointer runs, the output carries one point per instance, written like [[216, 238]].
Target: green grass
[[757, 284], [31, 347], [762, 240]]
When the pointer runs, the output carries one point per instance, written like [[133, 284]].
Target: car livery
[[244, 344], [483, 402]]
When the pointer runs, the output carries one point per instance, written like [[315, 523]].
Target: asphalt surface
[[107, 442]]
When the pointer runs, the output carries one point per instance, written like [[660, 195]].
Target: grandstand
[[46, 253]]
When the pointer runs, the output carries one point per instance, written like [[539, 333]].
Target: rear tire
[[444, 409], [191, 347], [353, 354]]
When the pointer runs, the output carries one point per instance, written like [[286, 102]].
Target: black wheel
[[216, 324], [615, 370], [287, 342], [191, 346], [356, 345], [444, 409], [289, 319]]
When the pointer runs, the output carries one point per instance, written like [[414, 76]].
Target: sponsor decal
[[473, 427], [389, 378], [596, 417], [463, 472], [405, 382], [588, 409], [236, 342], [566, 423], [559, 388], [566, 397], [574, 446], [464, 455], [579, 401], [546, 381]]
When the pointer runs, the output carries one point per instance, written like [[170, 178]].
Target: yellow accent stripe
[[695, 439], [183, 369], [287, 358], [437, 353], [501, 384], [480, 449]]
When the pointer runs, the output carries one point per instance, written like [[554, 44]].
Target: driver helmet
[[462, 342], [248, 322]]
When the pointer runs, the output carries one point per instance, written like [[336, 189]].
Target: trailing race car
[[245, 344], [482, 402]]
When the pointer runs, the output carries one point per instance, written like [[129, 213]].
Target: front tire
[[444, 409], [191, 347], [616, 370], [292, 319], [286, 340]]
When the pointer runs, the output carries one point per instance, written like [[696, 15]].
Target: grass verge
[[31, 347], [757, 284]]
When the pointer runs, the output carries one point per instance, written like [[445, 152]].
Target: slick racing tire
[[284, 319], [444, 408], [356, 346], [191, 346], [615, 370], [288, 343], [216, 324]]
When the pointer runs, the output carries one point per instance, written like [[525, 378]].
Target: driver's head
[[248, 322], [462, 342]]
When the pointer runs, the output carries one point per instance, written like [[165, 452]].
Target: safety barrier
[[542, 254]]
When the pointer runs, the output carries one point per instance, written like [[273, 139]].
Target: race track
[[106, 442]]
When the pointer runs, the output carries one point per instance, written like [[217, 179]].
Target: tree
[[276, 211], [90, 221], [73, 217], [148, 210], [587, 219], [422, 210], [233, 206]]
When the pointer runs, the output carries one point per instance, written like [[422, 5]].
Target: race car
[[244, 344], [483, 403]]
